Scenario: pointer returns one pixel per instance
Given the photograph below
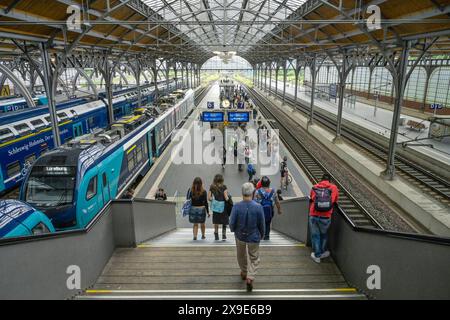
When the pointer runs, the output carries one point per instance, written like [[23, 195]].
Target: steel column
[[400, 87], [284, 82], [155, 80], [342, 79], [167, 77], [138, 82], [313, 90], [297, 73], [49, 89], [270, 80], [108, 75], [276, 80], [265, 78], [427, 86]]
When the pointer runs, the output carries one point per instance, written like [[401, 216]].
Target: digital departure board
[[238, 116], [213, 117]]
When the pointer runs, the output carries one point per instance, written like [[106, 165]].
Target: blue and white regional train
[[16, 104], [72, 184], [25, 135]]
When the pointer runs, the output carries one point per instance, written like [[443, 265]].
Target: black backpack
[[323, 200]]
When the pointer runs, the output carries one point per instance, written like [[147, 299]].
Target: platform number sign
[[241, 105], [210, 105], [436, 106], [5, 91]]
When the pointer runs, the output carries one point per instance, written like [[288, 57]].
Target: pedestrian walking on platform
[[323, 198], [268, 199], [251, 171], [247, 223], [199, 208], [218, 196]]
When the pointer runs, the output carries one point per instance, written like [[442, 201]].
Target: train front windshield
[[51, 186]]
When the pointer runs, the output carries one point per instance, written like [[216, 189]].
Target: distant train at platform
[[16, 104], [27, 134], [73, 183]]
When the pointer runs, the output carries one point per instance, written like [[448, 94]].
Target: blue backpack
[[266, 201], [250, 169]]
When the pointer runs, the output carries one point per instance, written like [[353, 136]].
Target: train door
[[106, 194], [153, 143], [150, 144], [77, 130]]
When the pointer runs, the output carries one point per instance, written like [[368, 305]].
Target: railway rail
[[430, 183], [312, 166]]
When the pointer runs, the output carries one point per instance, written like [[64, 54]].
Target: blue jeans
[[319, 234]]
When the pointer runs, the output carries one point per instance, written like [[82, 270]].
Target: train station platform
[[378, 120], [174, 266], [176, 179]]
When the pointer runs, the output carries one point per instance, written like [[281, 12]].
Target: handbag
[[229, 205], [217, 206], [187, 205]]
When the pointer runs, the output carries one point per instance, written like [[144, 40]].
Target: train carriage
[[26, 135], [72, 184]]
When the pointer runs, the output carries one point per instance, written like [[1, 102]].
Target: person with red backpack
[[267, 198], [324, 196]]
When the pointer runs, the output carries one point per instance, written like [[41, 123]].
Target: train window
[[6, 135], [145, 148], [62, 116], [38, 124], [105, 180], [13, 169], [30, 159], [48, 119], [92, 189], [131, 162], [91, 122], [139, 154], [74, 113], [22, 128]]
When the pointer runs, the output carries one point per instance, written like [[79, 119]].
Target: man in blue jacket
[[247, 223]]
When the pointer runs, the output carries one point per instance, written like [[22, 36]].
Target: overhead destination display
[[213, 116], [238, 116]]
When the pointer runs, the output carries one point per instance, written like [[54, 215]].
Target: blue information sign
[[213, 117], [241, 105], [333, 90], [238, 116], [436, 106], [210, 105]]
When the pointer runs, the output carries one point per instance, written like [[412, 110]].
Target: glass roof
[[225, 25]]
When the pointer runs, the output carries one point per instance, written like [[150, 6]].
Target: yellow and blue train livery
[[18, 219], [72, 184]]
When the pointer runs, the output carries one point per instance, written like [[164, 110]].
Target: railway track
[[427, 181], [312, 166], [201, 94]]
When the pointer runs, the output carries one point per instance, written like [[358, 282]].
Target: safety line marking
[[341, 290]]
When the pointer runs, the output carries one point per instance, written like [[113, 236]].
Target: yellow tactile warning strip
[[331, 290]]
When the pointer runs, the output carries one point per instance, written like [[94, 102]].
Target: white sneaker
[[315, 259], [324, 255]]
